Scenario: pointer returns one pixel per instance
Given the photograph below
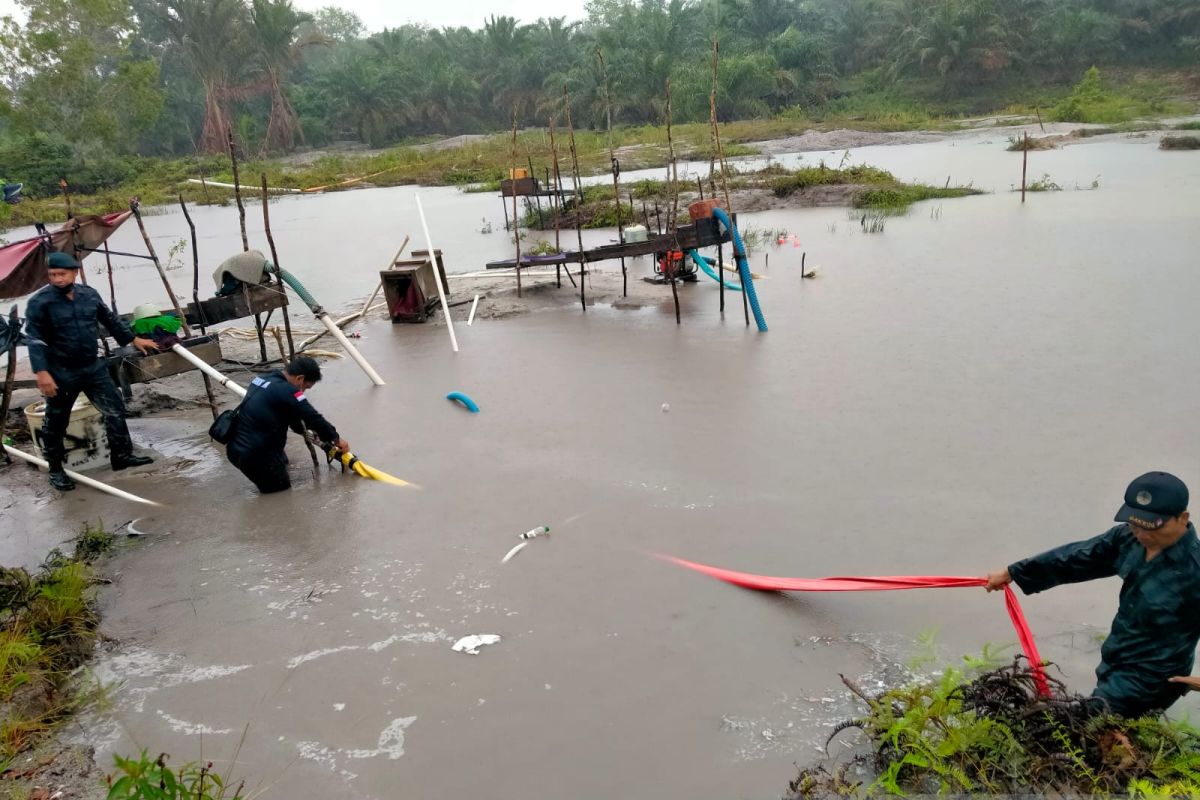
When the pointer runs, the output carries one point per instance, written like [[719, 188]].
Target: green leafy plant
[[146, 778]]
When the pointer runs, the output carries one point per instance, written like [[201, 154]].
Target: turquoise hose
[[703, 264], [294, 282], [739, 252]]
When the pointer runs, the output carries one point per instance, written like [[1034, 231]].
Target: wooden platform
[[703, 233]]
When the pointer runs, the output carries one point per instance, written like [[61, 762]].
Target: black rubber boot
[[128, 460], [59, 479]]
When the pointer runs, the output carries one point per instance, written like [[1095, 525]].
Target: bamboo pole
[[716, 129], [287, 322], [578, 197], [512, 186], [84, 479], [616, 168], [441, 291]]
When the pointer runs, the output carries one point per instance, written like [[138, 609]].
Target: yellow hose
[[359, 468]]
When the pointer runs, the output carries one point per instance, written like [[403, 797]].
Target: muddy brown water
[[972, 385]]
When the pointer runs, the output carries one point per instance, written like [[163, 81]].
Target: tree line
[[102, 78]]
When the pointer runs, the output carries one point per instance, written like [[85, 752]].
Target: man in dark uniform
[[275, 402], [62, 322], [1145, 660]]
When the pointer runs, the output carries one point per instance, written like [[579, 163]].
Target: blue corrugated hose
[[703, 264], [739, 252]]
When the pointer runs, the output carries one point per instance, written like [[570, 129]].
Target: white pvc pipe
[[474, 305], [333, 329], [207, 369], [437, 277], [247, 188], [340, 323], [84, 479]]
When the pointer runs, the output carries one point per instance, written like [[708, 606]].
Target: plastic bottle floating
[[541, 530], [467, 402]]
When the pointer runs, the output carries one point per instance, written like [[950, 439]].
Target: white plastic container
[[86, 440], [636, 233]]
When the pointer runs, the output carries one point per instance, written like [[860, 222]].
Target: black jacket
[[1157, 625], [63, 333], [271, 406]]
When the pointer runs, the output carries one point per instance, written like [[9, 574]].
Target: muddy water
[[970, 386]]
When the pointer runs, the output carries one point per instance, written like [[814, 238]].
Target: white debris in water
[[315, 654], [191, 728], [339, 706], [666, 407], [471, 644]]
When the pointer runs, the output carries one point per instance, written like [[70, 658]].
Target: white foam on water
[[191, 728]]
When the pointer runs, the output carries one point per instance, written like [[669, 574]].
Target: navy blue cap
[[1152, 499], [61, 261]]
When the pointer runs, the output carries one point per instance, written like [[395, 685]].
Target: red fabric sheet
[[874, 584], [23, 264]]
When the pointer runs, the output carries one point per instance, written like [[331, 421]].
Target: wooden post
[[716, 130], [673, 180], [721, 271], [195, 265], [556, 205], [187, 329], [237, 193], [699, 187], [578, 198], [1024, 165], [512, 185], [112, 289], [10, 374], [62, 182], [287, 322]]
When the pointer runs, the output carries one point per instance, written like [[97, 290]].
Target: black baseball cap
[[1152, 499]]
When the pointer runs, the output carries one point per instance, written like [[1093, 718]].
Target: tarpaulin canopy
[[23, 264]]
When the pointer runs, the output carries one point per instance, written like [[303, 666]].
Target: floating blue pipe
[[466, 401], [703, 264], [739, 252]]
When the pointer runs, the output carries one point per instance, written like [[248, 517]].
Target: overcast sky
[[380, 14]]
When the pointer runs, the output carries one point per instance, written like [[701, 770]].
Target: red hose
[[875, 584]]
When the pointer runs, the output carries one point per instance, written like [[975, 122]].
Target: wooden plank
[[250, 301], [140, 369]]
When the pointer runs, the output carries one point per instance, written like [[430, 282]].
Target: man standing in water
[[62, 326], [273, 403], [1151, 648]]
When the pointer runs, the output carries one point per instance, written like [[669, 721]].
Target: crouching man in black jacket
[[273, 403]]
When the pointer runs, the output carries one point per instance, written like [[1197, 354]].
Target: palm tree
[[275, 30], [211, 34]]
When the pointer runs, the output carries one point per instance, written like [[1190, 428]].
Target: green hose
[[294, 282]]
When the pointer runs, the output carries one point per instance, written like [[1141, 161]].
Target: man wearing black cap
[[62, 322], [1145, 660]]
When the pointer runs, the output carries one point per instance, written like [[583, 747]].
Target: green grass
[[48, 624], [881, 191]]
